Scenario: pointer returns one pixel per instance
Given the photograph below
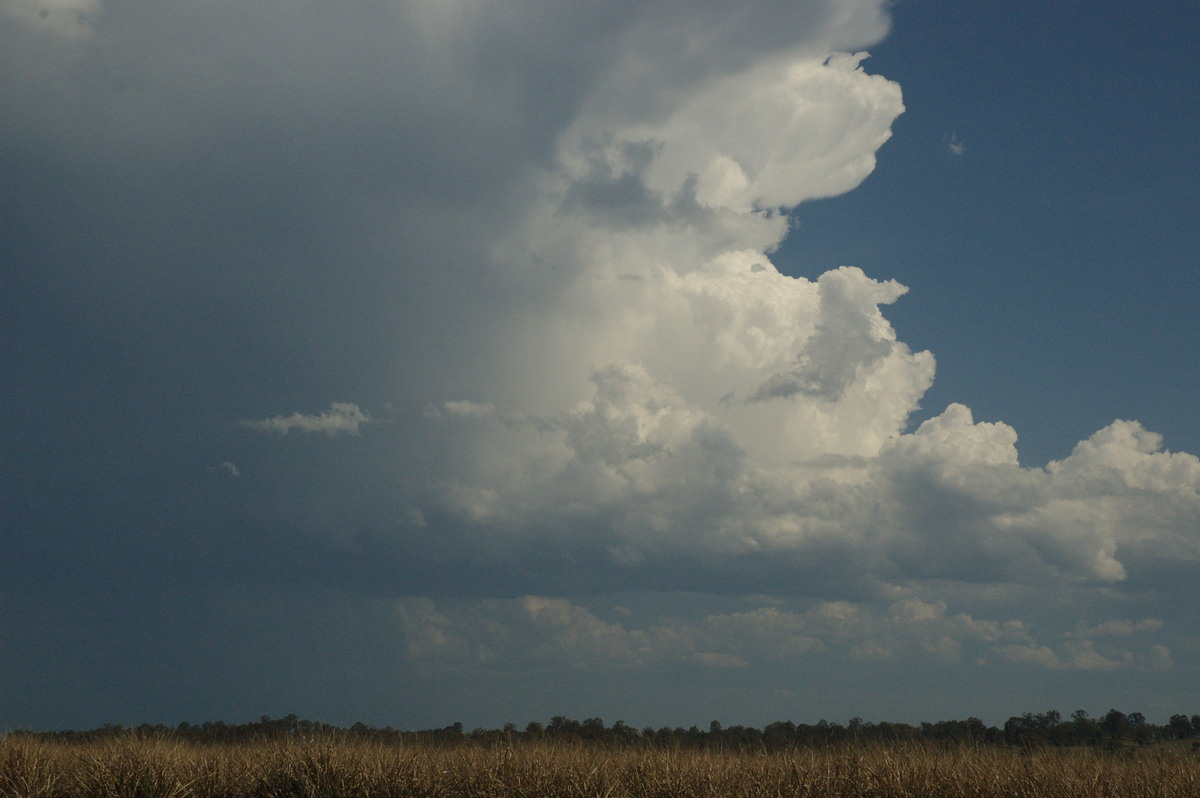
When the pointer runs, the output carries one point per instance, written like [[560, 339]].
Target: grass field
[[332, 767]]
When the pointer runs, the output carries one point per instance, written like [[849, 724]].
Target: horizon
[[528, 726]]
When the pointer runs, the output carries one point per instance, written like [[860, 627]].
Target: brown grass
[[137, 768]]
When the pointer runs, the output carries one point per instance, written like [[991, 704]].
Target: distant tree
[[1116, 723], [1030, 729], [779, 733], [622, 732], [1179, 727], [1013, 730], [969, 730], [593, 729], [1141, 730], [1085, 730], [565, 728]]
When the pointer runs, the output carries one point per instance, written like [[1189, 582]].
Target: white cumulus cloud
[[672, 397]]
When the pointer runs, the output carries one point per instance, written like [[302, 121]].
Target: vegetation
[[1033, 755], [1114, 730]]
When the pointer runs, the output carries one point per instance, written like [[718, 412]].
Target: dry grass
[[133, 768]]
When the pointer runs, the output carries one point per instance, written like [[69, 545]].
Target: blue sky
[[1058, 251], [431, 362]]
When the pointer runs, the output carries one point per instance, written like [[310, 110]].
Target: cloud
[[342, 417], [818, 124], [566, 258], [229, 468], [1118, 628], [652, 477], [953, 145], [845, 341], [510, 633], [69, 19], [1084, 656]]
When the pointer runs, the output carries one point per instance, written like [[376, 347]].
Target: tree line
[[1113, 729]]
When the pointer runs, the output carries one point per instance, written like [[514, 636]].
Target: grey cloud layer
[[534, 629]]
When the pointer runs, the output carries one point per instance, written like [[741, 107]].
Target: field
[[133, 767]]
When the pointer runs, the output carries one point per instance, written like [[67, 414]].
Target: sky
[[417, 362]]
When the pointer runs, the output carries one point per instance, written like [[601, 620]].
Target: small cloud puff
[[342, 417], [228, 467]]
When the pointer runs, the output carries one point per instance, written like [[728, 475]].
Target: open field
[[134, 767]]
